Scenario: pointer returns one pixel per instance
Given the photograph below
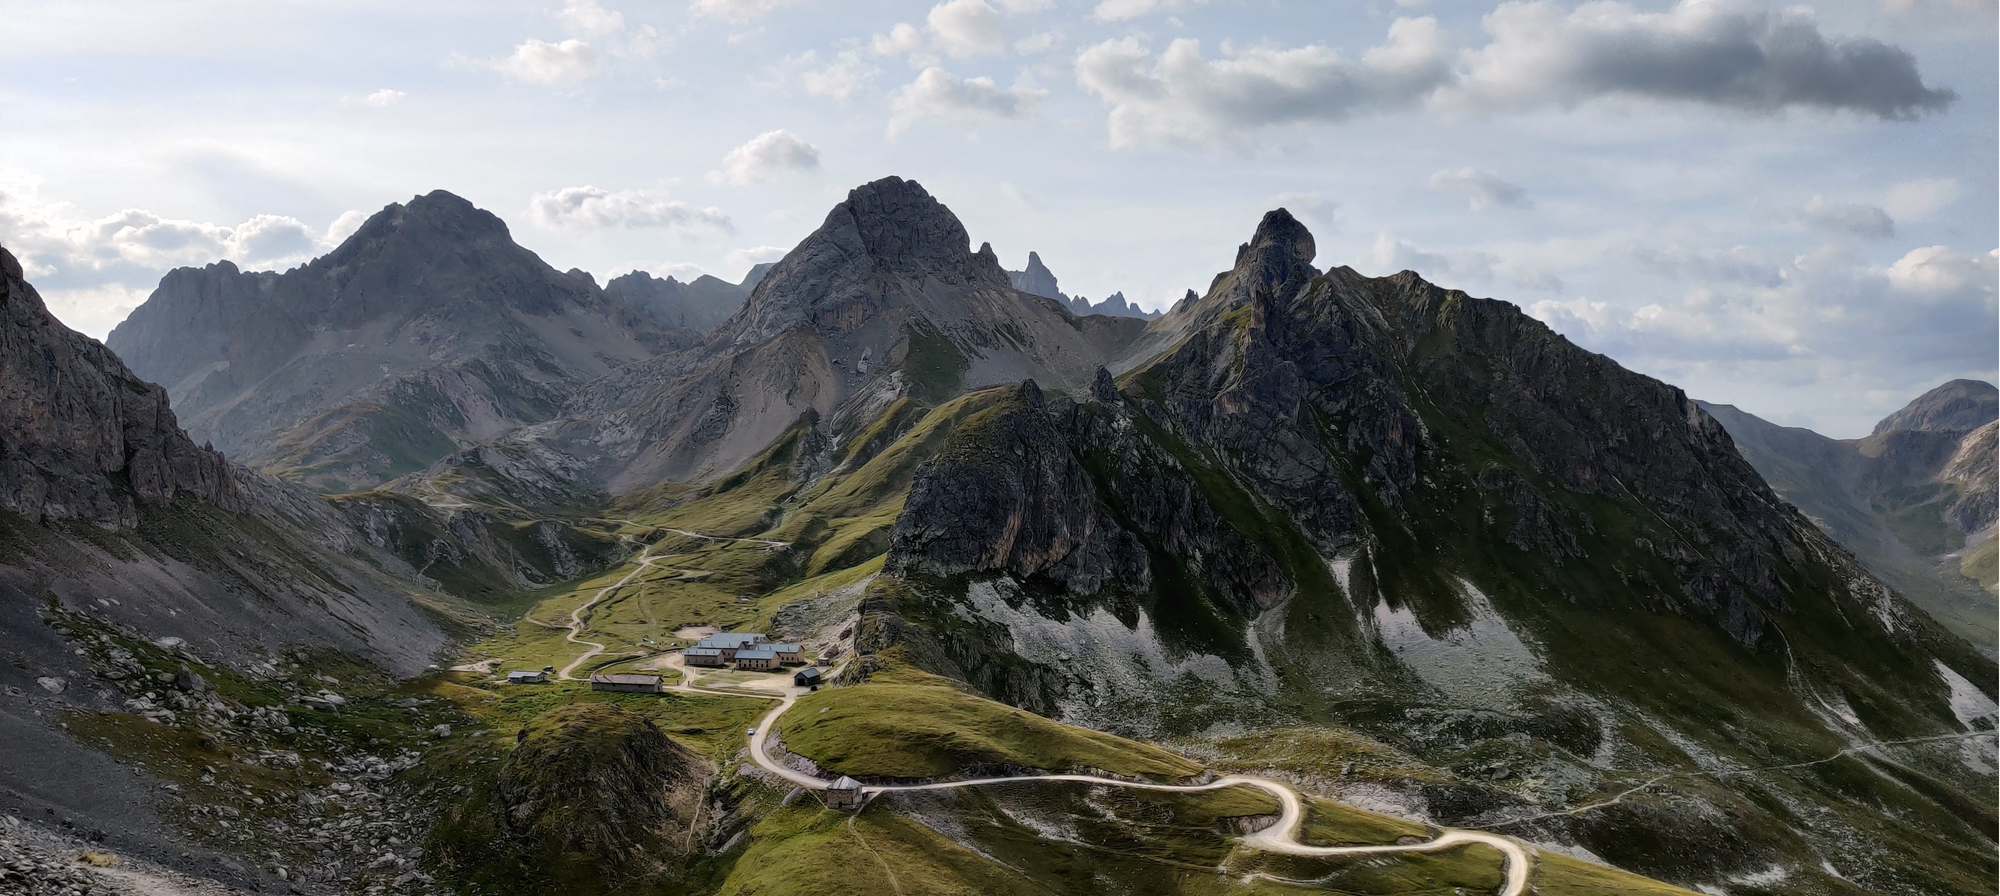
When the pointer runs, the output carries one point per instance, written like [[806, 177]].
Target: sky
[[1788, 208]]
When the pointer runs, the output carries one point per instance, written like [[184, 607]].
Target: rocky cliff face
[[81, 436], [1913, 500], [427, 330], [886, 299]]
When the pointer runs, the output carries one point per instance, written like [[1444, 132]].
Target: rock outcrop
[[82, 436]]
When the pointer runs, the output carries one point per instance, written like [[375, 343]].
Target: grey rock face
[[1037, 279], [426, 330], [700, 305], [81, 435], [1958, 406]]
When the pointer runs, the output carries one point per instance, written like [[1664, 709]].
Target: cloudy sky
[[1786, 207]]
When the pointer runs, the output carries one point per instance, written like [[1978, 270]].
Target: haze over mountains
[[1404, 546], [1914, 500]]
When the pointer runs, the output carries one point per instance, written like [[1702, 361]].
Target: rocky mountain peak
[[1037, 279], [1281, 250], [890, 228], [1957, 406], [903, 228], [427, 220]]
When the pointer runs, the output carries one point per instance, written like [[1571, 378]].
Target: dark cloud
[[1732, 54]]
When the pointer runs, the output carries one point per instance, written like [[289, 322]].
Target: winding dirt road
[[1282, 837], [576, 619]]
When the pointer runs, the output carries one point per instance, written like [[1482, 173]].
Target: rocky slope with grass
[[427, 330], [1914, 499]]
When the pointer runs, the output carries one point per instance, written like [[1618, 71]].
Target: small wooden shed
[[809, 677]]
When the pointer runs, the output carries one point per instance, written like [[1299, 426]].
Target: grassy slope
[[913, 725]]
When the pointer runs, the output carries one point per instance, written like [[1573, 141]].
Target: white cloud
[[383, 97], [839, 78], [345, 226], [136, 241], [591, 208], [767, 155], [1180, 97], [1480, 189], [936, 93], [1919, 199], [1455, 269], [645, 41], [902, 39], [93, 271], [1822, 313], [552, 64], [677, 270], [735, 10], [1017, 7], [1851, 218], [1732, 53], [1037, 44], [745, 259], [1123, 10], [968, 28], [1938, 269], [589, 19], [1321, 213]]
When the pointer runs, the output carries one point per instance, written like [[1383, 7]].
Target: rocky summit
[[427, 330], [889, 570]]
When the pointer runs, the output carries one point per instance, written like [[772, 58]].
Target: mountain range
[[1407, 550], [426, 331], [1037, 279]]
